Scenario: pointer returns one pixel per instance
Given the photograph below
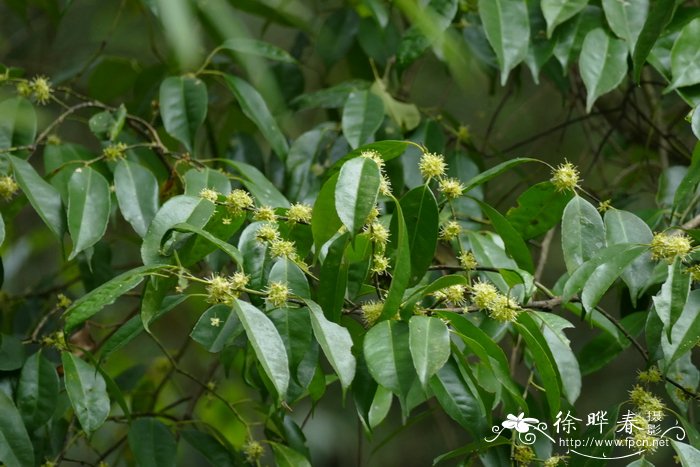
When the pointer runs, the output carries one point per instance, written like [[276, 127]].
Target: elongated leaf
[[660, 13], [259, 186], [2, 230], [87, 392], [90, 304], [421, 214], [324, 218], [89, 205], [362, 114], [582, 232], [514, 243], [183, 106], [429, 343], [266, 343], [625, 227], [401, 267], [685, 57], [388, 150], [386, 350], [539, 209], [605, 274], [687, 454], [287, 272], [670, 301], [507, 28], [605, 347], [626, 19], [695, 122], [288, 457], [256, 259], [558, 11], [152, 443], [37, 391], [356, 192], [255, 108], [603, 64], [257, 48], [137, 194], [685, 333], [198, 179], [11, 353], [226, 247], [560, 346], [216, 327], [44, 198], [333, 279], [456, 398], [687, 187], [494, 171], [16, 449], [381, 404], [17, 123], [569, 37], [336, 343], [209, 447]]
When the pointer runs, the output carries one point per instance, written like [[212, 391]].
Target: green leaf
[[557, 11], [685, 57], [11, 353], [494, 171], [695, 123], [152, 443], [177, 210], [605, 274], [198, 179], [603, 64], [333, 279], [686, 189], [44, 198], [406, 116], [90, 304], [401, 268], [255, 108], [257, 48], [685, 333], [514, 243], [266, 343], [216, 328], [336, 343], [356, 192], [87, 392], [363, 113], [456, 399], [259, 186], [60, 161], [324, 218], [89, 206], [625, 227], [137, 194], [17, 123], [438, 284], [660, 13], [422, 220], [388, 150], [226, 247], [337, 35], [560, 347], [604, 347], [2, 230], [37, 391], [672, 297], [288, 457], [570, 35], [429, 343], [507, 28], [183, 107], [582, 232], [16, 448], [256, 260], [386, 350], [381, 404], [539, 209], [688, 455], [208, 446], [287, 272], [626, 19]]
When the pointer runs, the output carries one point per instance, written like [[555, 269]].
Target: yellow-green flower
[[218, 290], [114, 152], [24, 89], [63, 301], [565, 177], [375, 156], [467, 260], [555, 461], [267, 233], [277, 293], [503, 308], [371, 311], [239, 280], [299, 212], [450, 187], [524, 455], [282, 248], [450, 230], [379, 235], [41, 89], [670, 246], [238, 201], [604, 206], [253, 451], [380, 264], [215, 321], [8, 187], [209, 194], [265, 213], [694, 272], [385, 186], [432, 165], [483, 293], [652, 375], [453, 294], [646, 402]]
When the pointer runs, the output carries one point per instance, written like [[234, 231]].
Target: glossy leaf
[[221, 245], [287, 272], [401, 268], [44, 198], [660, 13], [557, 11], [569, 36], [137, 194], [421, 214], [259, 186], [11, 353], [89, 206], [685, 56], [333, 279], [386, 350], [266, 343], [560, 346], [381, 404], [687, 454], [605, 275], [539, 209], [514, 243], [288, 457], [603, 64], [37, 391], [363, 112], [507, 29], [87, 392], [198, 179], [356, 192], [455, 397], [152, 443], [494, 171], [216, 327], [685, 332], [671, 300], [16, 449], [582, 232], [255, 108], [429, 343], [336, 343], [626, 19], [324, 217], [17, 123], [256, 259], [257, 48], [183, 107]]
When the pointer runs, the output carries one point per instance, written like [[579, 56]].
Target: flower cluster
[[39, 88], [384, 183], [265, 213], [432, 165], [565, 177], [253, 451], [450, 230], [646, 402], [225, 289], [209, 194], [500, 307], [277, 293], [652, 375], [380, 264], [8, 187], [523, 455], [467, 260], [371, 311], [668, 247], [451, 188], [114, 152], [299, 212], [554, 461], [453, 294], [238, 201]]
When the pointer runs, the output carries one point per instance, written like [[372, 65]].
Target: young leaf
[[363, 113], [37, 391], [258, 48], [152, 443], [356, 192], [137, 194], [660, 13], [87, 392], [89, 205], [266, 343], [183, 107], [336, 343], [685, 57], [557, 11], [255, 108], [44, 198], [16, 448], [626, 19], [507, 28], [582, 232], [603, 64], [429, 343]]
